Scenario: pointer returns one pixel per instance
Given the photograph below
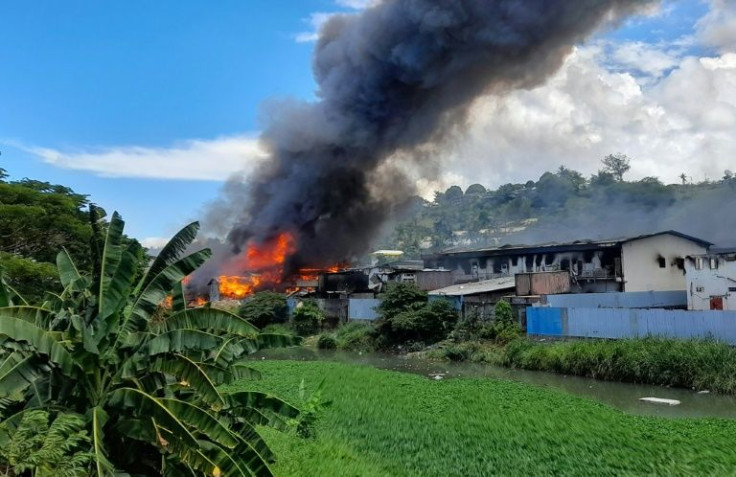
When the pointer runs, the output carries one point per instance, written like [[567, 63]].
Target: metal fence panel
[[631, 323], [363, 309], [666, 299]]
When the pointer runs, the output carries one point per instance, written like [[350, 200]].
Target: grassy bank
[[390, 424], [687, 364]]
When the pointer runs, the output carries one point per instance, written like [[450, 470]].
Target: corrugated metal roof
[[473, 288], [585, 244]]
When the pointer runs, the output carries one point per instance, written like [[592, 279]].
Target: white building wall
[[641, 263], [706, 283]]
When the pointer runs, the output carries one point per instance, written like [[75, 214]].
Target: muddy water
[[622, 396]]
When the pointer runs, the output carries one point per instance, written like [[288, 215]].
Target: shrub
[[307, 318], [407, 316], [355, 336], [326, 341], [265, 308]]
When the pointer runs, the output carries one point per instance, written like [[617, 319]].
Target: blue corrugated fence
[[631, 323]]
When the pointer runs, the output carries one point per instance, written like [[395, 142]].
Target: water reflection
[[622, 396]]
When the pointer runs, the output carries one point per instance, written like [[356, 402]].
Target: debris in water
[[704, 392], [654, 400]]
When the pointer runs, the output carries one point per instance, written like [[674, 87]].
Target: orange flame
[[262, 262]]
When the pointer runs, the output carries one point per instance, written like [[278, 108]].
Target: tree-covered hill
[[564, 205]]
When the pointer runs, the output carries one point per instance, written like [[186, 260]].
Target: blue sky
[[117, 99]]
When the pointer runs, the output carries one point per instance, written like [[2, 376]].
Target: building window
[[662, 262], [698, 263], [700, 289], [732, 289], [714, 263], [680, 263]]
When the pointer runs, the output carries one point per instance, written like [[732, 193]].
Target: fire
[[238, 287], [199, 301], [262, 264]]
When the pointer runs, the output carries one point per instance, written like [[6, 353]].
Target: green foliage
[[265, 308], [356, 336], [307, 318], [687, 364], [29, 278], [311, 407], [617, 164], [387, 424], [327, 341], [149, 390], [37, 219], [401, 297], [35, 448], [407, 316]]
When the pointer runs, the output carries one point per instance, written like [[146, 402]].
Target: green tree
[[308, 318], [265, 308], [617, 164], [475, 189], [29, 278], [149, 390]]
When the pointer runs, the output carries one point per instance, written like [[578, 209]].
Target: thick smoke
[[394, 81]]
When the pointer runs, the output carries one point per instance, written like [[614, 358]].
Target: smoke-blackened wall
[[392, 81]]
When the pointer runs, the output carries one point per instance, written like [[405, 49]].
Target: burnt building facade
[[643, 263]]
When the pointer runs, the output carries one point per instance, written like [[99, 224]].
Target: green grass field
[[386, 424]]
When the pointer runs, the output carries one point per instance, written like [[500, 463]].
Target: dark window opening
[[515, 261], [565, 264], [549, 259], [680, 263], [662, 262], [732, 289]]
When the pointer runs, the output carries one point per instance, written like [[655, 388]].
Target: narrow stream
[[622, 396]]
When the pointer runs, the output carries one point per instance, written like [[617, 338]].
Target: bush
[[265, 308], [307, 318], [407, 316], [326, 341], [356, 336]]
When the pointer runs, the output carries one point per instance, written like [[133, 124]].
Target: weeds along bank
[[409, 323], [386, 424]]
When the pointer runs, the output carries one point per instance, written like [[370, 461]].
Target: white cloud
[[683, 121], [718, 27], [154, 243], [358, 4], [206, 160], [315, 21]]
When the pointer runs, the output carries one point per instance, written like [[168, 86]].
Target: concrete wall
[[705, 284], [667, 299], [641, 263], [633, 323]]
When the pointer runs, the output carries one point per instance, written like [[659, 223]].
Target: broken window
[[662, 262], [680, 263]]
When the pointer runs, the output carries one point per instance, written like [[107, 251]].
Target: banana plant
[[149, 389]]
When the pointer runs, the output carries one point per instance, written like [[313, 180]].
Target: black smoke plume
[[393, 81]]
